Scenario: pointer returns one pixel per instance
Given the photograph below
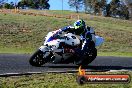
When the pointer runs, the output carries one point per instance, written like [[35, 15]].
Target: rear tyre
[[90, 57], [87, 59], [37, 59]]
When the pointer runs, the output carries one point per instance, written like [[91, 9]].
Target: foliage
[[35, 4], [129, 4], [9, 6], [95, 5], [87, 6], [115, 9], [1, 3], [77, 4], [118, 9]]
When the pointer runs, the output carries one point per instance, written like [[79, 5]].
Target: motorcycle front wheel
[[37, 59]]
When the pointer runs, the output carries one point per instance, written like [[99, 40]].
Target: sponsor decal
[[101, 78]]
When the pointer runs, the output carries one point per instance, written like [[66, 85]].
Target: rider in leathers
[[86, 34]]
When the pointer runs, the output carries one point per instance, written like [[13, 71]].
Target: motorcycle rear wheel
[[87, 59]]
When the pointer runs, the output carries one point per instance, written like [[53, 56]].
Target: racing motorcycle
[[64, 50]]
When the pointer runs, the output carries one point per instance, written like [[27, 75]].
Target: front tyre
[[37, 59]]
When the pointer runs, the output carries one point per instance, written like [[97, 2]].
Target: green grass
[[25, 33], [30, 51], [118, 54], [14, 50], [51, 12], [52, 80]]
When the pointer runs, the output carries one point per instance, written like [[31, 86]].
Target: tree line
[[34, 4], [116, 8]]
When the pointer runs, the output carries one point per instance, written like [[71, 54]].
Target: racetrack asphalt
[[19, 63]]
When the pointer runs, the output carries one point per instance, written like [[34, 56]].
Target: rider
[[86, 33]]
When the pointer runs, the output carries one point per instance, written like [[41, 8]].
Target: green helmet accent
[[79, 24]]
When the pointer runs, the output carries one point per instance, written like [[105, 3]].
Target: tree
[[2, 3], [12, 5], [103, 3], [114, 4], [94, 5], [9, 6], [77, 4], [129, 4], [87, 6], [44, 4], [118, 9], [31, 4], [35, 4]]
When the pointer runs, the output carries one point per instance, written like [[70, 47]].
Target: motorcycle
[[64, 50]]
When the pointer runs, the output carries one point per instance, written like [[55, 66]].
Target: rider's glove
[[66, 28]]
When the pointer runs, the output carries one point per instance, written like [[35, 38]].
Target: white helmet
[[71, 39]]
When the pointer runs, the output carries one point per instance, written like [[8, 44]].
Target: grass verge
[[118, 54], [52, 80], [25, 33], [31, 51]]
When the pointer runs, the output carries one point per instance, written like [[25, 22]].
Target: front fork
[[47, 53]]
